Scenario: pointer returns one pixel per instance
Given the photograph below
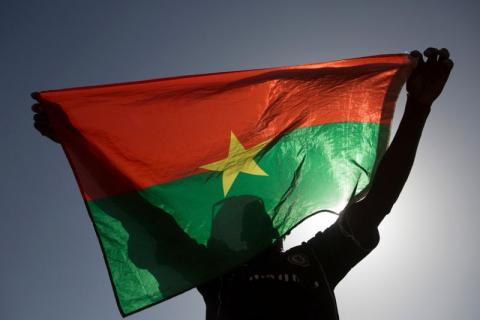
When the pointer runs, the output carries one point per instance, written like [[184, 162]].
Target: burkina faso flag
[[185, 178]]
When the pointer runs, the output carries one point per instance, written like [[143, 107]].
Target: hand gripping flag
[[185, 178]]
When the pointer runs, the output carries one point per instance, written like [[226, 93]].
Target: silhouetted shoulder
[[338, 251]]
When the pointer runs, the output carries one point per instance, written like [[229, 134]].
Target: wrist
[[417, 108]]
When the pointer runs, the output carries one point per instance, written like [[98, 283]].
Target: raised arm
[[423, 86]]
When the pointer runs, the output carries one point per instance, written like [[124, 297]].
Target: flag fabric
[[186, 178]]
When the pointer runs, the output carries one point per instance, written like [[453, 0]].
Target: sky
[[427, 263]]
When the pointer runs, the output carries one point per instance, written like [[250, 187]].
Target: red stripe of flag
[[126, 137]]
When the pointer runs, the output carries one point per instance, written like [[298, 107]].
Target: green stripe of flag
[[163, 240]]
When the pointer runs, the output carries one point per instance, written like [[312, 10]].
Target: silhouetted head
[[257, 227], [242, 224]]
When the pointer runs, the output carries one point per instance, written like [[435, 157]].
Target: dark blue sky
[[426, 266]]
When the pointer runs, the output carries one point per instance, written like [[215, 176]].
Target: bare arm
[[423, 87]]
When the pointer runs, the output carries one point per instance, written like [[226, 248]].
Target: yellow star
[[238, 160]]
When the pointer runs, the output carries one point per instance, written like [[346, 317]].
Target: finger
[[446, 68], [443, 54], [431, 54], [417, 55], [37, 107], [448, 64], [35, 95], [42, 127], [42, 124], [40, 117], [443, 74], [46, 132]]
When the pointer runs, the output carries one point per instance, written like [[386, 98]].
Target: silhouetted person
[[299, 283], [239, 225]]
